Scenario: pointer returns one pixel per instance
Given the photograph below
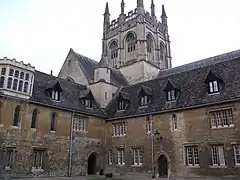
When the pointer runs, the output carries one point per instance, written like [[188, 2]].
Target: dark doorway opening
[[162, 166], [92, 164]]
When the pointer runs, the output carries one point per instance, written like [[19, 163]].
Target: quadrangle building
[[129, 112]]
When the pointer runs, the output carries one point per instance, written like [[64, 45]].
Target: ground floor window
[[38, 159], [120, 156], [137, 156], [236, 149], [110, 156], [192, 156], [217, 153], [10, 155]]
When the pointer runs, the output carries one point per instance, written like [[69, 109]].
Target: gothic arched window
[[52, 123], [3, 72], [16, 118], [113, 51], [149, 44], [131, 42], [2, 81], [34, 118], [162, 51]]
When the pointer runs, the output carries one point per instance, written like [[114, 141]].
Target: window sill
[[217, 166], [137, 165], [119, 136], [142, 107], [121, 164], [189, 166], [223, 127], [120, 110], [214, 93], [15, 127], [53, 132], [37, 170]]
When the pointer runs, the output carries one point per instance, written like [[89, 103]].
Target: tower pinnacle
[[122, 7], [107, 9], [163, 11], [139, 3], [152, 9]]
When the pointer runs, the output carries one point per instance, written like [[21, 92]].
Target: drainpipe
[[70, 146], [152, 145]]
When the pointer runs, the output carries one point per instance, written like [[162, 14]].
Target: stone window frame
[[223, 116], [11, 154], [175, 125], [38, 159], [137, 156], [16, 123], [148, 124], [131, 41], [53, 122], [236, 153], [80, 123], [2, 80], [3, 71], [193, 157], [113, 48], [110, 156], [149, 44], [119, 129], [217, 155], [120, 156], [34, 118]]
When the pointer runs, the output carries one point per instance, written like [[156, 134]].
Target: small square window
[[171, 95], [213, 87]]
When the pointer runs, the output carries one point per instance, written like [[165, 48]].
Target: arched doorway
[[92, 159], [162, 166]]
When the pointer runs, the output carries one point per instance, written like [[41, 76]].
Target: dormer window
[[121, 105], [87, 103], [144, 100], [171, 95], [172, 91], [213, 83], [55, 95], [213, 87]]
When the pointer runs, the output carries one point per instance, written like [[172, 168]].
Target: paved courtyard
[[136, 176]]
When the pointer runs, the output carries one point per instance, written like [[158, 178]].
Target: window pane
[[2, 81], [3, 72], [15, 83], [11, 72], [25, 87], [22, 75], [16, 73], [210, 87], [27, 77], [9, 85]]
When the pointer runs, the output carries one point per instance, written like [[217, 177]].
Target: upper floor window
[[3, 72], [9, 83], [2, 79], [236, 150], [217, 155], [20, 85], [213, 86], [15, 83], [221, 118], [11, 72], [55, 95], [16, 73], [119, 129], [27, 77], [34, 118], [174, 122], [87, 103], [144, 100], [131, 42], [162, 52], [80, 123], [149, 44], [113, 50], [192, 156], [53, 122], [16, 118], [25, 87], [121, 105], [171, 95], [22, 75]]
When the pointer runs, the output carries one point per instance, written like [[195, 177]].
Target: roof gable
[[170, 86], [212, 77]]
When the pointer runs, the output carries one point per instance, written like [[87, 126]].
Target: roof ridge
[[201, 63], [84, 56]]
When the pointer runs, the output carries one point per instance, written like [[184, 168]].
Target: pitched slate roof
[[194, 90], [88, 65], [69, 98]]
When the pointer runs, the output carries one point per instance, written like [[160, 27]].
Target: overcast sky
[[41, 32]]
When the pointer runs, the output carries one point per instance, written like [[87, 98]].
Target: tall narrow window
[[25, 87], [27, 77], [149, 44], [20, 85], [11, 72], [34, 118], [114, 52], [174, 122], [192, 156], [105, 95], [162, 55], [120, 156], [149, 125], [2, 81], [52, 123], [11, 152], [22, 75], [3, 72], [171, 95], [16, 120], [236, 149], [16, 73], [213, 87], [9, 83], [15, 83], [131, 42], [110, 156], [144, 100], [137, 157]]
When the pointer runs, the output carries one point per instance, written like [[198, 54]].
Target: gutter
[[172, 110]]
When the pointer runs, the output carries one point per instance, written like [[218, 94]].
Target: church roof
[[69, 97], [191, 80]]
